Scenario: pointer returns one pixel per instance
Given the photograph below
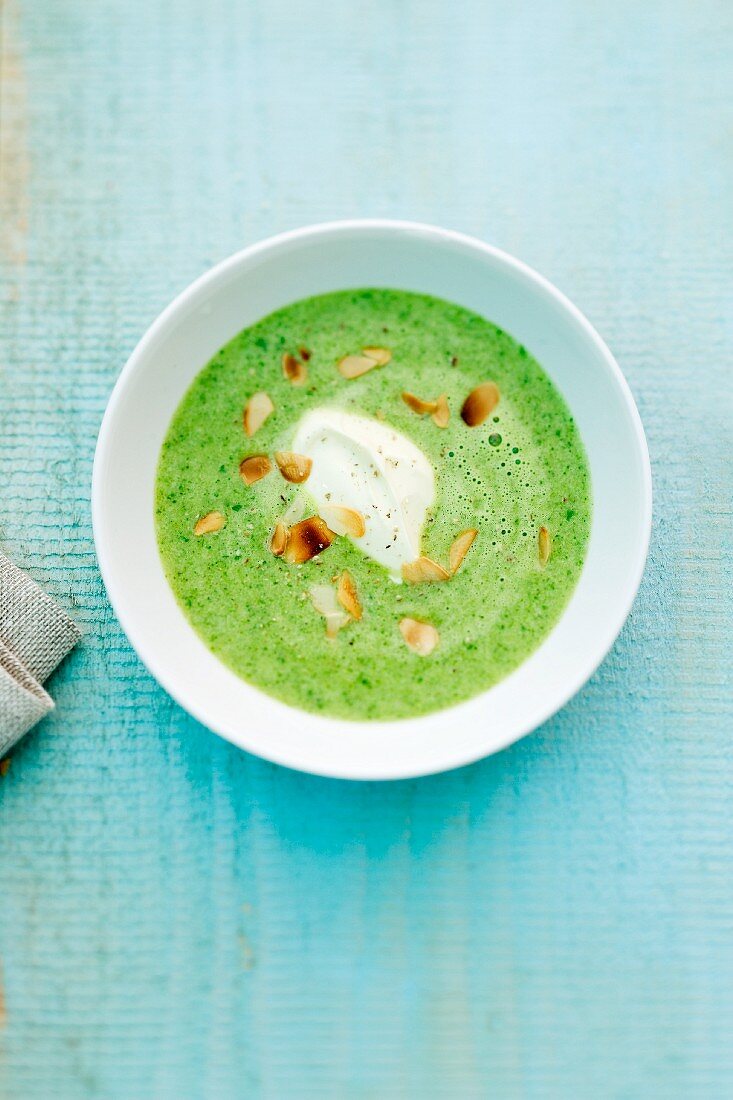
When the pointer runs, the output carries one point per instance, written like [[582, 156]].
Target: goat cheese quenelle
[[373, 504]]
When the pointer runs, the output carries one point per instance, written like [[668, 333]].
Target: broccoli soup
[[373, 504]]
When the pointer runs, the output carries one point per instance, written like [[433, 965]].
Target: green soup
[[523, 469]]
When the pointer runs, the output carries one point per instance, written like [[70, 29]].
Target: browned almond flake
[[344, 521], [307, 539], [347, 595], [421, 638], [381, 356], [461, 545], [544, 546], [253, 468], [305, 354], [423, 570], [256, 412], [441, 416], [295, 371], [279, 539], [480, 403], [418, 405], [295, 468], [209, 524], [353, 366]]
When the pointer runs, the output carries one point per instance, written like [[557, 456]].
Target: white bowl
[[337, 256]]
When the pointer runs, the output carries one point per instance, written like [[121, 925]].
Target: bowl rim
[[614, 624]]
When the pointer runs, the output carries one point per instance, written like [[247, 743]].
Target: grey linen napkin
[[35, 636]]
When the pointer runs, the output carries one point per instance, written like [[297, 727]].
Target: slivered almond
[[295, 371], [347, 595], [325, 601], [353, 366], [279, 539], [418, 405], [441, 416], [253, 468], [480, 403], [344, 521], [209, 524], [295, 468], [307, 539], [305, 354], [381, 356], [294, 510], [421, 638], [423, 570], [461, 545], [544, 546], [334, 623], [256, 412]]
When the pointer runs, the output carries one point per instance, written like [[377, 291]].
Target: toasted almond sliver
[[305, 354], [307, 539], [461, 545], [418, 405], [325, 601], [544, 546], [209, 524], [295, 371], [480, 403], [421, 638], [423, 570], [279, 539], [353, 366], [381, 356], [344, 521], [347, 595], [253, 468], [256, 412], [441, 416], [294, 467]]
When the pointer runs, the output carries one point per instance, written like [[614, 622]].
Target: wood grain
[[180, 920]]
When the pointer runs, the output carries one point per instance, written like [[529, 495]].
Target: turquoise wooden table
[[180, 920]]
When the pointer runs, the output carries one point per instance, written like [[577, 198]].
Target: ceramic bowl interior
[[344, 255]]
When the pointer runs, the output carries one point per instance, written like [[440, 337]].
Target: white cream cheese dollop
[[366, 465]]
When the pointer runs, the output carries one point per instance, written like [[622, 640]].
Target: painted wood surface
[[178, 919]]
